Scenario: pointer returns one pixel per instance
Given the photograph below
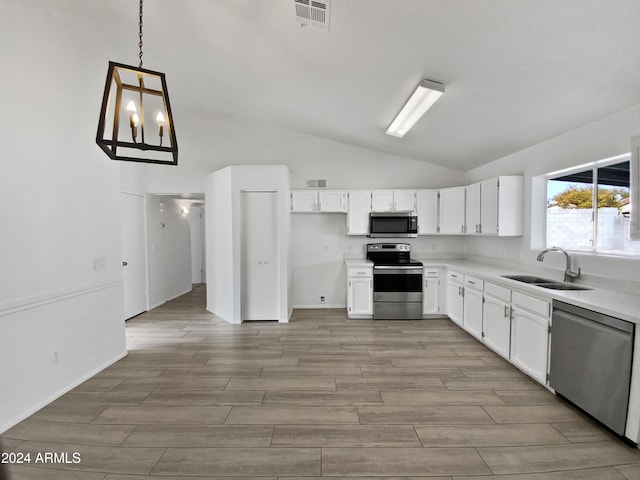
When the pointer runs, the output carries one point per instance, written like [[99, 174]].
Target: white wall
[[224, 234], [60, 198], [169, 249], [320, 243], [211, 141], [219, 235], [604, 138]]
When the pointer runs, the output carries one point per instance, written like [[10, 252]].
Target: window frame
[[633, 157], [634, 228]]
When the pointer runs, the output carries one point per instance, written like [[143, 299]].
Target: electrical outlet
[[99, 263], [321, 298]]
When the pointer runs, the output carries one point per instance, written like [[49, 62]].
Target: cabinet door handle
[[506, 311], [461, 228]]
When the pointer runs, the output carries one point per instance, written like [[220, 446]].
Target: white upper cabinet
[[382, 201], [404, 200], [358, 209], [501, 205], [393, 200], [427, 210], [304, 200], [491, 207], [452, 211], [332, 201], [318, 201], [472, 209]]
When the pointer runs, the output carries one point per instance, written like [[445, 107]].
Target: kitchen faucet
[[569, 276]]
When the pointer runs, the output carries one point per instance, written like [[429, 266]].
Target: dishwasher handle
[[600, 318]]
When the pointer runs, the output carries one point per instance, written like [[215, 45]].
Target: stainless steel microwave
[[393, 224]]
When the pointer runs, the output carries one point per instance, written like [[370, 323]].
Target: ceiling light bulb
[[160, 118], [135, 119], [427, 93], [131, 107]]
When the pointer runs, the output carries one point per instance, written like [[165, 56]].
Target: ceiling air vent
[[313, 12]]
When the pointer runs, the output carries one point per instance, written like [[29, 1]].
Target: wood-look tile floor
[[321, 396]]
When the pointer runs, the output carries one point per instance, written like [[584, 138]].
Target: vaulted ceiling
[[516, 72]]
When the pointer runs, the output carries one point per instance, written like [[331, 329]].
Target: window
[[588, 209]]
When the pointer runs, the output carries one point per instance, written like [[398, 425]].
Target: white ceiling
[[516, 72]]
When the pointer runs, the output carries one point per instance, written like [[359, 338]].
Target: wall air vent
[[313, 12], [320, 183]]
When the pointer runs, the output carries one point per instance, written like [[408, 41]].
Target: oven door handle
[[397, 271]]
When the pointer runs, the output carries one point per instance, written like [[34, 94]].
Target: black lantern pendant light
[[135, 98]]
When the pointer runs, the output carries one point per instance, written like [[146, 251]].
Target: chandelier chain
[[140, 35]]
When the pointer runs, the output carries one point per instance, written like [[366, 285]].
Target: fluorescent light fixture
[[425, 95]]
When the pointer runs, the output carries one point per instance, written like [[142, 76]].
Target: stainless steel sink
[[545, 282], [561, 286], [528, 279]]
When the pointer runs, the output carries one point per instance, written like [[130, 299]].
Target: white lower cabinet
[[472, 308], [455, 296], [512, 324], [431, 292], [496, 319], [360, 292], [530, 335]]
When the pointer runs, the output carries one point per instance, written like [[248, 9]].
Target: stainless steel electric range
[[397, 282]]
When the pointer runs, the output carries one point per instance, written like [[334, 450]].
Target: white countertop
[[358, 262], [617, 304], [610, 302]]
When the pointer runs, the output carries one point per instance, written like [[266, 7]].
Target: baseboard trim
[[190, 289], [159, 304], [155, 305], [318, 305], [41, 300], [59, 393]]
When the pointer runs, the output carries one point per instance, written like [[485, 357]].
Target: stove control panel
[[388, 247]]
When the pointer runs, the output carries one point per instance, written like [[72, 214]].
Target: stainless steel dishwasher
[[591, 362]]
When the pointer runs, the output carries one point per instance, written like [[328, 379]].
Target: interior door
[[260, 293], [134, 265], [197, 245]]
